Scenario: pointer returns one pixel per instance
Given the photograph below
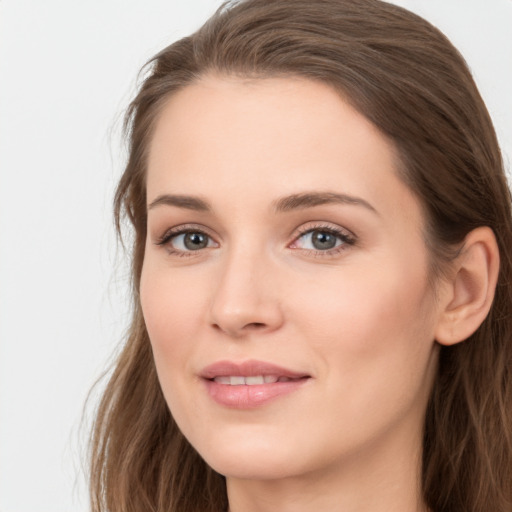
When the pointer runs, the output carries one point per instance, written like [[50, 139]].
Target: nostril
[[255, 325], [239, 331]]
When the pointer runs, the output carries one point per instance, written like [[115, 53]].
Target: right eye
[[191, 241], [182, 241]]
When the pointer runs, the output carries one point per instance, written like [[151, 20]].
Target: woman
[[320, 268]]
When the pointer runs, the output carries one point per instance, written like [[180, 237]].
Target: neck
[[384, 478]]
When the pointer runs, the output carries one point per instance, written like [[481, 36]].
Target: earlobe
[[469, 294]]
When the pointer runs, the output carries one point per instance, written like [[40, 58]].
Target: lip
[[249, 368], [250, 396]]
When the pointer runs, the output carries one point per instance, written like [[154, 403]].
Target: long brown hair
[[406, 77]]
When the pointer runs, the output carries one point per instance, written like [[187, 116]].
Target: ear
[[467, 296]]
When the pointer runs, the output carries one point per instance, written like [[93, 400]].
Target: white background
[[67, 70]]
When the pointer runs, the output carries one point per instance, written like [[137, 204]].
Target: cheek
[[364, 301], [375, 322], [374, 338], [170, 308]]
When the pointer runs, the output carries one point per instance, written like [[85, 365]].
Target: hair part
[[403, 75]]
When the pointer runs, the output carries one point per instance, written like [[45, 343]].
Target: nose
[[246, 298]]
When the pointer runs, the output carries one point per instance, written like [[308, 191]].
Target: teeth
[[223, 380], [249, 381]]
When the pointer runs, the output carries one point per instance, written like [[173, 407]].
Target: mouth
[[255, 380], [250, 384]]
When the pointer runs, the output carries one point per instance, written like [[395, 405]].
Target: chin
[[260, 468], [252, 458]]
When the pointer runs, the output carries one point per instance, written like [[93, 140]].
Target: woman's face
[[285, 280]]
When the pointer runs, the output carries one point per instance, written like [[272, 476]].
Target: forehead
[[269, 137]]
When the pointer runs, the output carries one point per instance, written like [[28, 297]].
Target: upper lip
[[249, 368]]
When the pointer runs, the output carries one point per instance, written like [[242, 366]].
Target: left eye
[[320, 240], [190, 241]]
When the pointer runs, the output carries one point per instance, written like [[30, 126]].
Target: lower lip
[[249, 397]]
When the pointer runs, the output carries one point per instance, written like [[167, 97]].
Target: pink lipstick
[[250, 384]]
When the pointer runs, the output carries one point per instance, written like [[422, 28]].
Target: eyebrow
[[181, 201], [285, 204], [311, 199]]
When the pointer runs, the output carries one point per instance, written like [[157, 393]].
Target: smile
[[250, 384], [250, 381]]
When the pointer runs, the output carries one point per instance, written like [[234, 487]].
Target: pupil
[[194, 241], [323, 240]]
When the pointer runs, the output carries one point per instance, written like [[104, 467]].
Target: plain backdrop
[[67, 71]]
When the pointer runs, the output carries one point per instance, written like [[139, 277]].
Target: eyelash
[[165, 239], [346, 237]]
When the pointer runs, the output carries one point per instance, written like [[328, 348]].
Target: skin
[[360, 319]]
